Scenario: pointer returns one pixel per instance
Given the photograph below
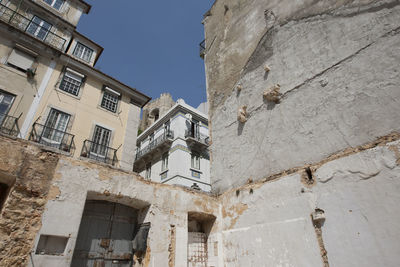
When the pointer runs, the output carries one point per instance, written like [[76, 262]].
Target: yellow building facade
[[50, 92]]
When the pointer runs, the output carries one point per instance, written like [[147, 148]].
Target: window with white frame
[[100, 141], [164, 162], [71, 81], [57, 4], [39, 28], [20, 60], [148, 171], [83, 52], [110, 99], [196, 161], [56, 125]]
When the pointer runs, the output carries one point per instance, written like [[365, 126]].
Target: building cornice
[[178, 106]]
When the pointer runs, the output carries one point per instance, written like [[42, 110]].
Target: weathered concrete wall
[[163, 205], [28, 171], [269, 224], [337, 64]]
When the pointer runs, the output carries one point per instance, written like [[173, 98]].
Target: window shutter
[[20, 59]]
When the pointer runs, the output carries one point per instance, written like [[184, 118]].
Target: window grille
[[109, 101], [71, 83]]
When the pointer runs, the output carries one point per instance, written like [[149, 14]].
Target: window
[[71, 82], [148, 171], [101, 140], [20, 60], [6, 100], [55, 126], [83, 52], [196, 161], [164, 163], [110, 99], [38, 28], [57, 4]]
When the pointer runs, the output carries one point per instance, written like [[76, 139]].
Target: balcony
[[99, 152], [24, 24], [196, 140], [203, 49], [52, 137], [9, 125], [157, 145]]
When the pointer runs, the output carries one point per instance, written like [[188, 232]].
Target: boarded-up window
[[140, 240], [51, 245], [20, 60]]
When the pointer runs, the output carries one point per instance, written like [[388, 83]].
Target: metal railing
[[52, 137], [153, 144], [202, 49], [23, 23], [99, 152], [197, 136], [9, 124]]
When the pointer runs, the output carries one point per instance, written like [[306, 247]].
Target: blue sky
[[151, 45]]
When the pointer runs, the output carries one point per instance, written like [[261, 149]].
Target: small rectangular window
[[196, 161], [57, 4], [164, 163], [71, 82], [109, 101], [20, 60], [83, 52]]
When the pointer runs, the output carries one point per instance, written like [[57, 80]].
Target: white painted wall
[[179, 161]]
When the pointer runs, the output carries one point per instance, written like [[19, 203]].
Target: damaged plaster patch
[[172, 246], [396, 151], [54, 192], [234, 212]]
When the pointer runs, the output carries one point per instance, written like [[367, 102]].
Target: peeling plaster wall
[[162, 205], [28, 171], [269, 223], [337, 64]]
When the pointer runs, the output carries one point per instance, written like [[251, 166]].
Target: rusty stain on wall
[[172, 246]]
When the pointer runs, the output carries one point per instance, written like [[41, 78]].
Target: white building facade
[[174, 150]]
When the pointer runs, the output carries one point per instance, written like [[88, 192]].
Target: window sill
[[14, 70], [116, 114], [161, 173], [196, 170], [78, 97]]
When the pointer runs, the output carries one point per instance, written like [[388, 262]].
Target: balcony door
[[39, 28], [55, 127], [100, 141], [6, 100]]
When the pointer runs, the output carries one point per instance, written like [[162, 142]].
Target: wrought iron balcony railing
[[9, 125], [155, 143], [27, 25], [52, 137], [99, 152], [197, 136], [203, 49]]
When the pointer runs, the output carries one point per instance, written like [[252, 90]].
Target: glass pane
[[57, 4]]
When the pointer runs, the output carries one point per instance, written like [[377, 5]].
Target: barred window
[[83, 52], [110, 101], [196, 161], [71, 82]]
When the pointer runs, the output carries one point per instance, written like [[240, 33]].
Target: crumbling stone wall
[[29, 171], [336, 64]]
